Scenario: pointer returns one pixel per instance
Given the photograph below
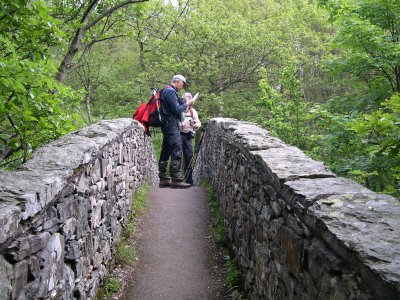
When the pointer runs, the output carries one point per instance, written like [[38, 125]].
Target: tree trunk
[[85, 25], [142, 64], [87, 104], [66, 64], [397, 75]]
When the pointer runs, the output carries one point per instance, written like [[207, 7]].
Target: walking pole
[[192, 162]]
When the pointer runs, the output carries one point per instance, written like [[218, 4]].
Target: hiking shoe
[[175, 170], [179, 184], [164, 182]]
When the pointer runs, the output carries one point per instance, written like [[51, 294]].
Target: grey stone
[[33, 267], [32, 189], [52, 221], [69, 228], [74, 249], [55, 247], [289, 163], [277, 209], [267, 213], [20, 279], [67, 208], [69, 282], [26, 246], [10, 216], [307, 191], [364, 223], [6, 279]]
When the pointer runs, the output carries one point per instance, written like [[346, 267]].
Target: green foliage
[[34, 107], [368, 40], [286, 109], [222, 57], [139, 202], [380, 135], [112, 286], [125, 253], [234, 278], [218, 221], [364, 143], [157, 137]]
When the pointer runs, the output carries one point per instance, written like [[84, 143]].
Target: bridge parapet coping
[[62, 212], [298, 230]]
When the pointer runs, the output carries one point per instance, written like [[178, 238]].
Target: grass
[[218, 221], [234, 277], [156, 136], [112, 286]]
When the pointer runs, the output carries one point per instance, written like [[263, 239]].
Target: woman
[[189, 124]]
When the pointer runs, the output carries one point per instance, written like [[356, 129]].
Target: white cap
[[183, 79]]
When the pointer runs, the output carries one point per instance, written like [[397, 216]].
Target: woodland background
[[321, 75]]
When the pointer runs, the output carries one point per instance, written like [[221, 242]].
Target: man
[[172, 109], [188, 126]]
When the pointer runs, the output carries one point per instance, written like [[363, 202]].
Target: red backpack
[[149, 113]]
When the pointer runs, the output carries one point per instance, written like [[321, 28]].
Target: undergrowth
[[112, 286], [234, 277]]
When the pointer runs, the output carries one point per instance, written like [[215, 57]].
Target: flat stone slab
[[289, 163], [251, 136], [77, 148], [307, 191], [368, 225], [31, 190]]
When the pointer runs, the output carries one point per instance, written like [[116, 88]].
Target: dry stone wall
[[62, 213], [297, 230]]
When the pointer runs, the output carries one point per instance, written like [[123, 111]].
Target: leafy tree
[[287, 110], [221, 47], [31, 112], [115, 70], [368, 38], [87, 22], [380, 134], [366, 58], [222, 57]]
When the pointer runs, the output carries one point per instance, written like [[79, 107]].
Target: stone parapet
[[61, 214], [297, 230]]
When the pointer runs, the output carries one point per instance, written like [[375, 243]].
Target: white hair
[[187, 96]]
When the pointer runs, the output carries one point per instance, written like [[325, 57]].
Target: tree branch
[[174, 23], [109, 12]]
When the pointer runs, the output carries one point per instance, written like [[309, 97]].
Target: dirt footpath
[[177, 256]]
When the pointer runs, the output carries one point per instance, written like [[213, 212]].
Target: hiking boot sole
[[179, 185], [164, 183]]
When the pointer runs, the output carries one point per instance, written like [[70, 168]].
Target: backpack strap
[[168, 86]]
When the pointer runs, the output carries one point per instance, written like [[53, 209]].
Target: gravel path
[[178, 258]]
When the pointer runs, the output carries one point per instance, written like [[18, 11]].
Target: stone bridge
[[296, 230]]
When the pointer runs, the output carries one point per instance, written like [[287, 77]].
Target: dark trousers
[[171, 146], [187, 149]]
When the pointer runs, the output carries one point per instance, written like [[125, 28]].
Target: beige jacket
[[191, 121]]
